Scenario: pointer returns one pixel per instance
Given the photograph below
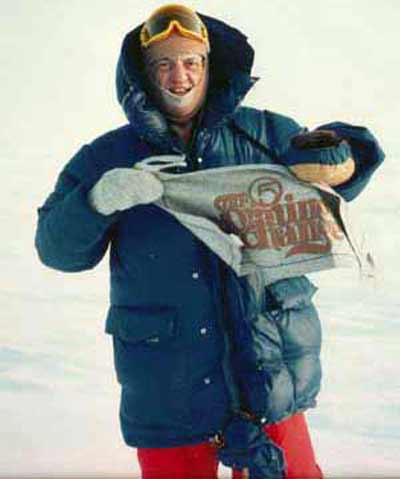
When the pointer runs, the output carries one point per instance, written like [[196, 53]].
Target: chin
[[180, 115]]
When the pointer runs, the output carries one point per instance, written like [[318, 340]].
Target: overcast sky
[[318, 61]]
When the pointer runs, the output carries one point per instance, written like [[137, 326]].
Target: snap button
[[200, 160], [203, 331], [207, 381], [195, 275]]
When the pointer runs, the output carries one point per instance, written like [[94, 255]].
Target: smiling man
[[181, 78]]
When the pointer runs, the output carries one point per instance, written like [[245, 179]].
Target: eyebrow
[[189, 54], [153, 63]]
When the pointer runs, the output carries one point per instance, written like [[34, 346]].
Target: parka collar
[[231, 60]]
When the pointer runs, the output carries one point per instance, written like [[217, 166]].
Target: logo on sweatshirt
[[268, 217]]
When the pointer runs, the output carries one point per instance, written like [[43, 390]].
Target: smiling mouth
[[180, 91]]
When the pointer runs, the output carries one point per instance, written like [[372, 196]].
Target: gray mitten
[[122, 188]]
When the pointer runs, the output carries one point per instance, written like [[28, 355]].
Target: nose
[[178, 72]]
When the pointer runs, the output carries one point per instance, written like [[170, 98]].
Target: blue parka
[[176, 313]]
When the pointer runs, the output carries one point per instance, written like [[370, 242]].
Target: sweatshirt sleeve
[[70, 235]]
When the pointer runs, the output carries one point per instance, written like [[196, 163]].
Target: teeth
[[180, 91]]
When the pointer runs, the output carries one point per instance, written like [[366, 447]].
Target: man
[[180, 80]]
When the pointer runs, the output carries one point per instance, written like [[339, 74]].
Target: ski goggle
[[166, 19]]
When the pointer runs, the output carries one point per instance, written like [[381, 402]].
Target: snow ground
[[59, 396], [59, 407]]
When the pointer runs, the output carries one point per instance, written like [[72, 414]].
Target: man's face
[[178, 71]]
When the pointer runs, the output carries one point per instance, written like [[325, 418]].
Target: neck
[[183, 130]]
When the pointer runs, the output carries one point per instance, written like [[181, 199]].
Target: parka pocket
[[147, 352], [139, 325], [150, 365]]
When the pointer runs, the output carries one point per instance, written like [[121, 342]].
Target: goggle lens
[[160, 25]]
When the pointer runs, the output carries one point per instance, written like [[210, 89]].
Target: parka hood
[[231, 59]]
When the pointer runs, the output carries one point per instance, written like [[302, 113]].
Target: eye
[[163, 65], [194, 63]]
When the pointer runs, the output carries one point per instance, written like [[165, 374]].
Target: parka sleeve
[[359, 143], [70, 235], [365, 151]]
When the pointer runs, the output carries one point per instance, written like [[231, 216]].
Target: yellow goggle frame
[[186, 23]]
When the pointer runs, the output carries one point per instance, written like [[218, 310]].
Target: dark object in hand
[[316, 139]]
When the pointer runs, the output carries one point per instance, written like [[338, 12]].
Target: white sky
[[319, 61]]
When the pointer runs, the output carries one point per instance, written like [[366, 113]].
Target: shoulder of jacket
[[114, 138], [267, 127], [282, 122], [119, 148], [248, 116], [113, 149]]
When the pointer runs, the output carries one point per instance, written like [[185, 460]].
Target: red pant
[[200, 461]]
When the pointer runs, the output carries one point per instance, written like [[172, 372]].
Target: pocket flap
[[136, 324]]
